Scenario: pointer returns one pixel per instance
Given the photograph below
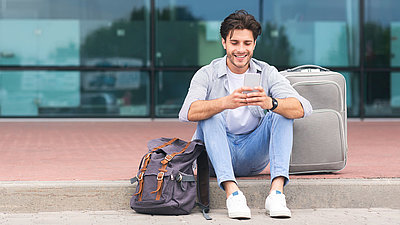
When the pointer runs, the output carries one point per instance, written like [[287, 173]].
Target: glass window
[[187, 31], [116, 93], [75, 32], [171, 90], [352, 93], [19, 93], [74, 93], [310, 32], [382, 33], [382, 49], [382, 94]]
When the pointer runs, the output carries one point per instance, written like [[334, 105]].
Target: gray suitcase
[[319, 140]]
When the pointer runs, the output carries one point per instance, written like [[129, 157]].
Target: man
[[243, 132]]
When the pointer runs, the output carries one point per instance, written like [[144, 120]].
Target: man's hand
[[237, 98], [259, 97], [204, 109], [288, 107]]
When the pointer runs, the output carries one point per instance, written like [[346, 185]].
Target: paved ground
[[110, 151], [52, 151], [377, 216]]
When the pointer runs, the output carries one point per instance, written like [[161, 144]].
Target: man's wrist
[[221, 103], [274, 104]]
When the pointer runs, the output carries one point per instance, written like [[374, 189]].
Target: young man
[[244, 132]]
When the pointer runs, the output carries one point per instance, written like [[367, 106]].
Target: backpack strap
[[147, 159], [203, 184], [140, 175], [163, 169]]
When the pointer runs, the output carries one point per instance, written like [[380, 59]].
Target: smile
[[240, 56]]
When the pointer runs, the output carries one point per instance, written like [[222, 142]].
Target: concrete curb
[[48, 196]]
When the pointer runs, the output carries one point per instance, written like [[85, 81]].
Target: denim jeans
[[248, 154]]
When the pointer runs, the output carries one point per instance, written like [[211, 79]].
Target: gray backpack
[[166, 181]]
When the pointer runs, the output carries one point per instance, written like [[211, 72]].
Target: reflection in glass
[[23, 93], [123, 42], [292, 35], [71, 93], [171, 89], [116, 93], [187, 32], [382, 94], [382, 33], [310, 32], [352, 93], [39, 42], [73, 33]]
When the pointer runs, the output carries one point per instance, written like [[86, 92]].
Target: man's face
[[239, 48]]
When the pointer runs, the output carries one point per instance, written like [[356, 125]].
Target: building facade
[[135, 58]]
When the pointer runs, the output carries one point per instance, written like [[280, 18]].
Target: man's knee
[[213, 121], [281, 120]]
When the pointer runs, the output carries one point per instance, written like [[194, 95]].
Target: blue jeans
[[248, 154]]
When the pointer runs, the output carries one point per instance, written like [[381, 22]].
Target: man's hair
[[240, 20]]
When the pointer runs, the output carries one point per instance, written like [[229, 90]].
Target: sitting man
[[244, 131]]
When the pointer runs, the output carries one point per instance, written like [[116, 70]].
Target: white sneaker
[[237, 206], [275, 204]]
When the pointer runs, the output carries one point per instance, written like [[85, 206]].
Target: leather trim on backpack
[[147, 158]]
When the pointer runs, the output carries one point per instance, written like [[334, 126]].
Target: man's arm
[[204, 109], [288, 107]]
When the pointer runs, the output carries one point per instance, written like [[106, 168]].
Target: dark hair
[[240, 20]]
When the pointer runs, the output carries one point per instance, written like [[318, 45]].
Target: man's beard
[[231, 58]]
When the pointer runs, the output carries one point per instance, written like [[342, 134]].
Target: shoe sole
[[239, 215], [280, 214]]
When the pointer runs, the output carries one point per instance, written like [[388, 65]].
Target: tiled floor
[[112, 150]]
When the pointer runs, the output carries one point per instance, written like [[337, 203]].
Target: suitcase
[[319, 140]]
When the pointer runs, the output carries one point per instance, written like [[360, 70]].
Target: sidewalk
[[379, 216], [85, 165], [54, 151]]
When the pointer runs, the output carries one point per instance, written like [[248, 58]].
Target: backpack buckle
[[140, 176], [147, 155], [179, 178], [160, 175], [168, 157]]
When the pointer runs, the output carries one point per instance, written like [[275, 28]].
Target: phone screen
[[251, 80]]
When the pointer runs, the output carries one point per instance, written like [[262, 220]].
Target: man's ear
[[223, 43], [255, 43]]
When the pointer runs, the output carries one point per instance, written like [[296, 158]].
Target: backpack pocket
[[149, 194], [177, 196]]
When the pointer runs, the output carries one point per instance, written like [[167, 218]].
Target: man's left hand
[[260, 98]]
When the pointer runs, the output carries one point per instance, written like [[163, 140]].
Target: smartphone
[[251, 80]]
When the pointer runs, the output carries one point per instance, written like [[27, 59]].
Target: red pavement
[[51, 151]]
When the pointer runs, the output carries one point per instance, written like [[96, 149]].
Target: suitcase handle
[[307, 67]]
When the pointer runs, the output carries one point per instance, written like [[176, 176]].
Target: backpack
[[166, 181]]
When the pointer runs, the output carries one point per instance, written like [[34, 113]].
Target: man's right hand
[[204, 109], [236, 99]]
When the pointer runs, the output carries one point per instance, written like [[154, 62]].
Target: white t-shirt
[[239, 120]]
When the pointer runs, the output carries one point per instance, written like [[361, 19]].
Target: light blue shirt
[[211, 82]]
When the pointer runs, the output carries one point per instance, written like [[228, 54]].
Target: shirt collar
[[254, 68]]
